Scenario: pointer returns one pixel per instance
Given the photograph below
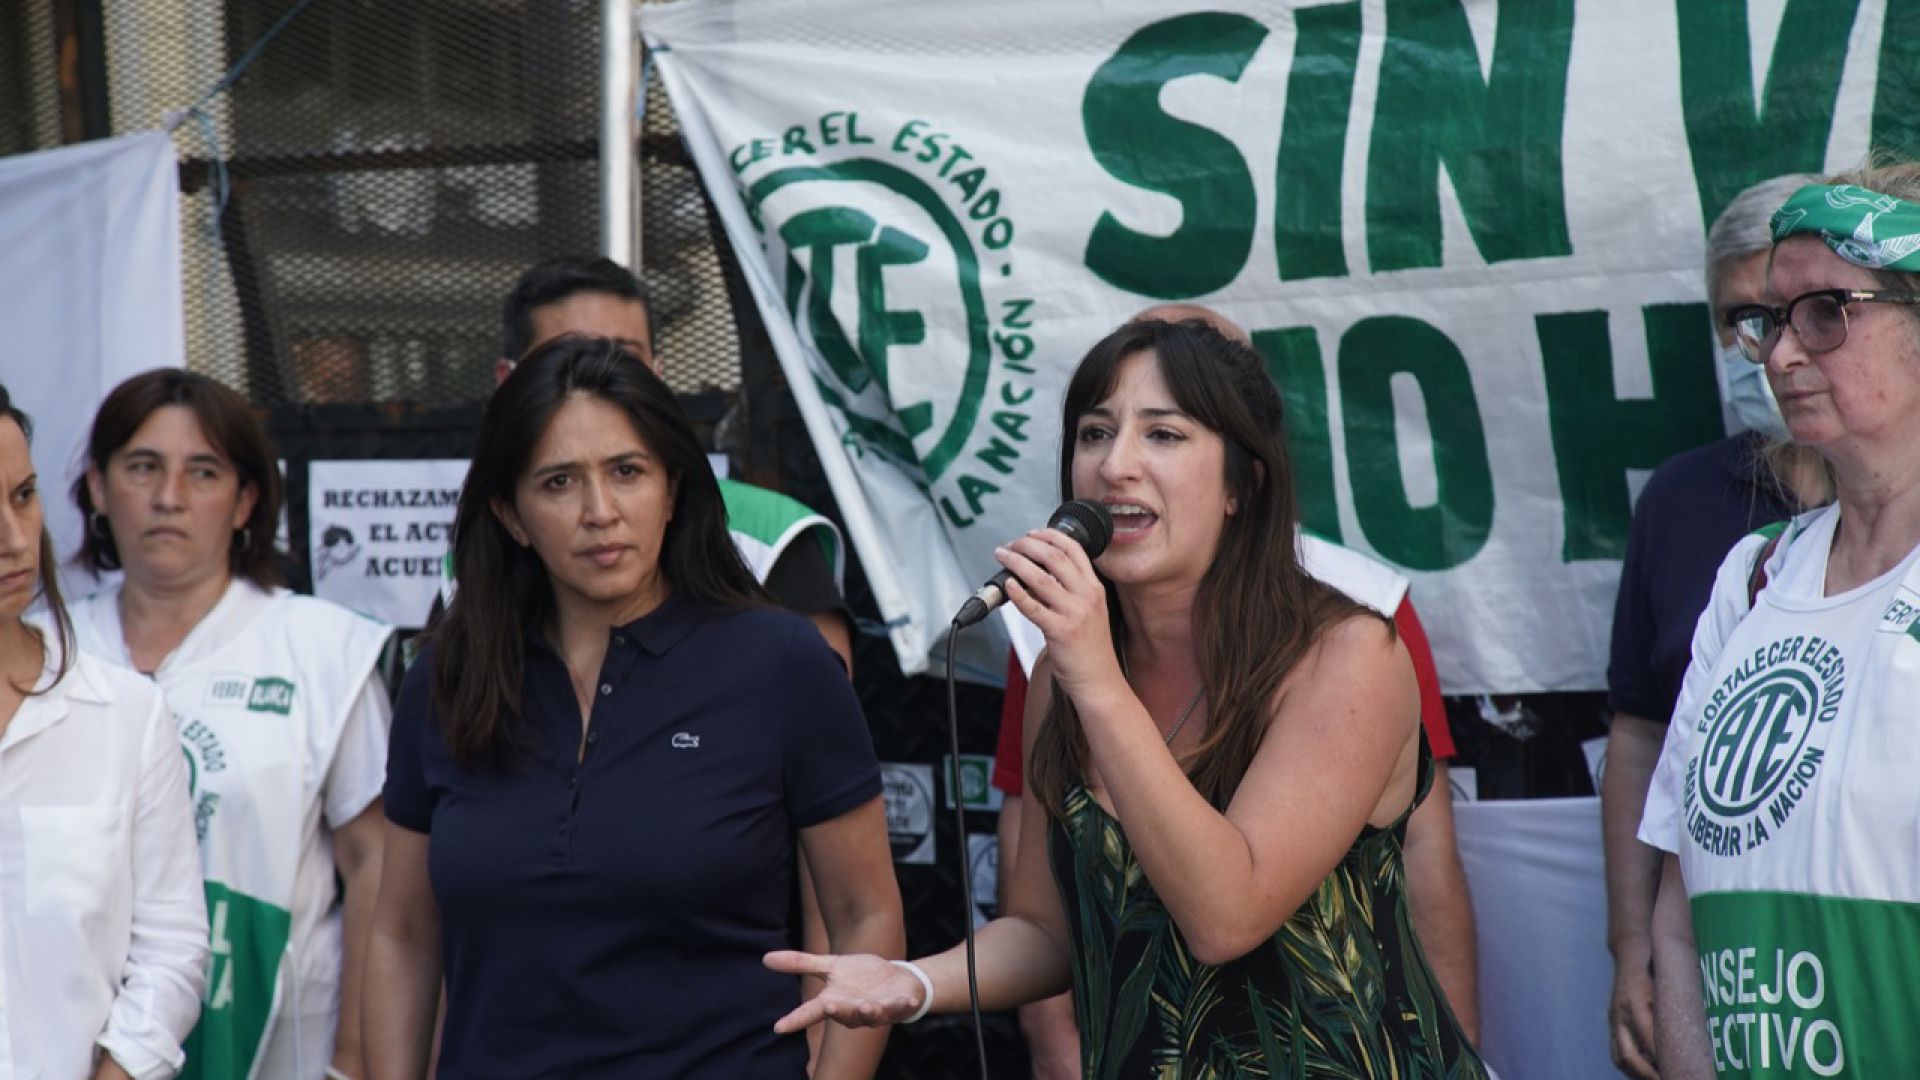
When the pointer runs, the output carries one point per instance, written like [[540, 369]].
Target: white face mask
[[1747, 394]]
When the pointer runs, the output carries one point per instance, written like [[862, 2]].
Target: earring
[[97, 525], [242, 538]]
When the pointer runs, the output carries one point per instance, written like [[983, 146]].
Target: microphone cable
[[1089, 524], [960, 844]]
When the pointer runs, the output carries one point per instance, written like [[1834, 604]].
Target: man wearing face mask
[[1695, 507]]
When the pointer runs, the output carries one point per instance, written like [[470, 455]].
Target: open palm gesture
[[860, 991]]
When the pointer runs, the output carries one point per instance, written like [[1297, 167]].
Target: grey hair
[[1800, 476], [1744, 228]]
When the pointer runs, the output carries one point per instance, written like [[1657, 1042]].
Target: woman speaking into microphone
[[1226, 751]]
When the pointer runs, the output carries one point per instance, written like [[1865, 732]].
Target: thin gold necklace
[[1121, 648]]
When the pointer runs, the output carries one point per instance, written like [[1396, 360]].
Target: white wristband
[[926, 987]]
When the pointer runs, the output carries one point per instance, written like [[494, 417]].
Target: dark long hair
[[505, 593], [49, 568], [1257, 611], [230, 425]]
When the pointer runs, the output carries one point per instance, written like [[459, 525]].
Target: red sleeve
[[1433, 711], [1007, 773]]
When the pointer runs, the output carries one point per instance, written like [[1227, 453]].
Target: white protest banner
[[1468, 238], [379, 533], [90, 281]]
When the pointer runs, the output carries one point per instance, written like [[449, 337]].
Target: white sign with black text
[[908, 791], [378, 533]]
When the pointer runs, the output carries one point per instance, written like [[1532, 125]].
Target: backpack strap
[[1757, 579]]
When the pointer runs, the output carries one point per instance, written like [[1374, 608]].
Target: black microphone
[[1088, 522]]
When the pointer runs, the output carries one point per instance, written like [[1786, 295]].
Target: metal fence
[[361, 199], [29, 83], [386, 170]]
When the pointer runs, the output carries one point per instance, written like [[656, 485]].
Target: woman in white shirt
[[102, 925], [1789, 909], [281, 714]]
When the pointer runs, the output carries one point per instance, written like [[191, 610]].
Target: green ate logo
[[890, 253], [206, 757], [1752, 744], [1762, 735], [271, 695]]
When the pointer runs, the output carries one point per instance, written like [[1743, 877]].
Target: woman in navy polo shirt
[[601, 766]]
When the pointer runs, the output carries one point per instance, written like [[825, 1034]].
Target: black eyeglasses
[[1819, 319]]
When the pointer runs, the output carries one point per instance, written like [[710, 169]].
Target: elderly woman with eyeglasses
[[1787, 796]]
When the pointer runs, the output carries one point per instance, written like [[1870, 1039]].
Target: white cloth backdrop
[[1540, 901], [90, 292]]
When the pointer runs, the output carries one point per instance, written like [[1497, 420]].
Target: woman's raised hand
[[860, 991], [1055, 586]]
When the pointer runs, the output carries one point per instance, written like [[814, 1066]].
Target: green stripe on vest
[[249, 939], [766, 516], [1801, 985]]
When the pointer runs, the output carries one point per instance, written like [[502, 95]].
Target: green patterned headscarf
[[1863, 227]]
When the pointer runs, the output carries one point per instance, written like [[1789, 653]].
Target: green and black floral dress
[[1341, 990]]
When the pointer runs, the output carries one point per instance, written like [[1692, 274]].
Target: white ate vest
[[1789, 789], [263, 689]]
